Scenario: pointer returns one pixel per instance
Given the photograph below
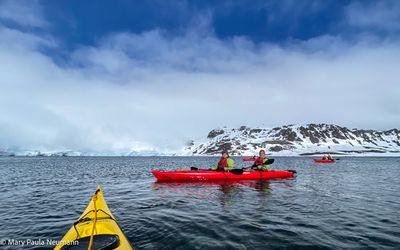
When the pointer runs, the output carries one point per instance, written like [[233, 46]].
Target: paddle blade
[[270, 161], [193, 168], [236, 171]]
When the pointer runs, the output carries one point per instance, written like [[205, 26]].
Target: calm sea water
[[351, 204]]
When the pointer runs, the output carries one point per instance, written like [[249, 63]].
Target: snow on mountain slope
[[298, 140], [310, 139]]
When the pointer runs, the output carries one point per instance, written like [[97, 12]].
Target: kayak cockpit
[[100, 242]]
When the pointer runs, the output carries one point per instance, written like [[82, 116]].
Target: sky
[[150, 75]]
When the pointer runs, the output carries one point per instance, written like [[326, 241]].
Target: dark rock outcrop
[[214, 133]]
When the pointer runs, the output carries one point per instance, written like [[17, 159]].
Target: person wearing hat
[[260, 163], [225, 163]]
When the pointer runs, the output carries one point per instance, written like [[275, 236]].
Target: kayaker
[[260, 163], [325, 157], [329, 157], [225, 163]]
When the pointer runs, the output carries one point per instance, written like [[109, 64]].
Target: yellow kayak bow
[[95, 229]]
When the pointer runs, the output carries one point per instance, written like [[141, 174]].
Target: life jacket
[[223, 163], [259, 161]]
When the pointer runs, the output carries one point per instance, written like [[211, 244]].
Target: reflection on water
[[225, 191], [263, 186], [226, 186]]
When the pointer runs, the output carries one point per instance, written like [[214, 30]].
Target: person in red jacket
[[260, 162], [225, 163]]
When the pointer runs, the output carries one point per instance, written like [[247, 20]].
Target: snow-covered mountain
[[309, 139], [17, 152]]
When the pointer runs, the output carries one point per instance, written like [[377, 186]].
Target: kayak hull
[[323, 161], [209, 175], [105, 226]]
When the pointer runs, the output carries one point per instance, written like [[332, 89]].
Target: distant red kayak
[[324, 161], [205, 175]]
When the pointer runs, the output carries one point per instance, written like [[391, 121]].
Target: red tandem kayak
[[324, 161], [206, 175]]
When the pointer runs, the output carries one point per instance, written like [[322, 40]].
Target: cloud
[[374, 16], [23, 13], [155, 90]]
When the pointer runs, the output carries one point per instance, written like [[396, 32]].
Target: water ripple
[[352, 204]]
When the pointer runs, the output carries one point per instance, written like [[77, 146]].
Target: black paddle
[[194, 168], [233, 171], [237, 171], [269, 161]]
